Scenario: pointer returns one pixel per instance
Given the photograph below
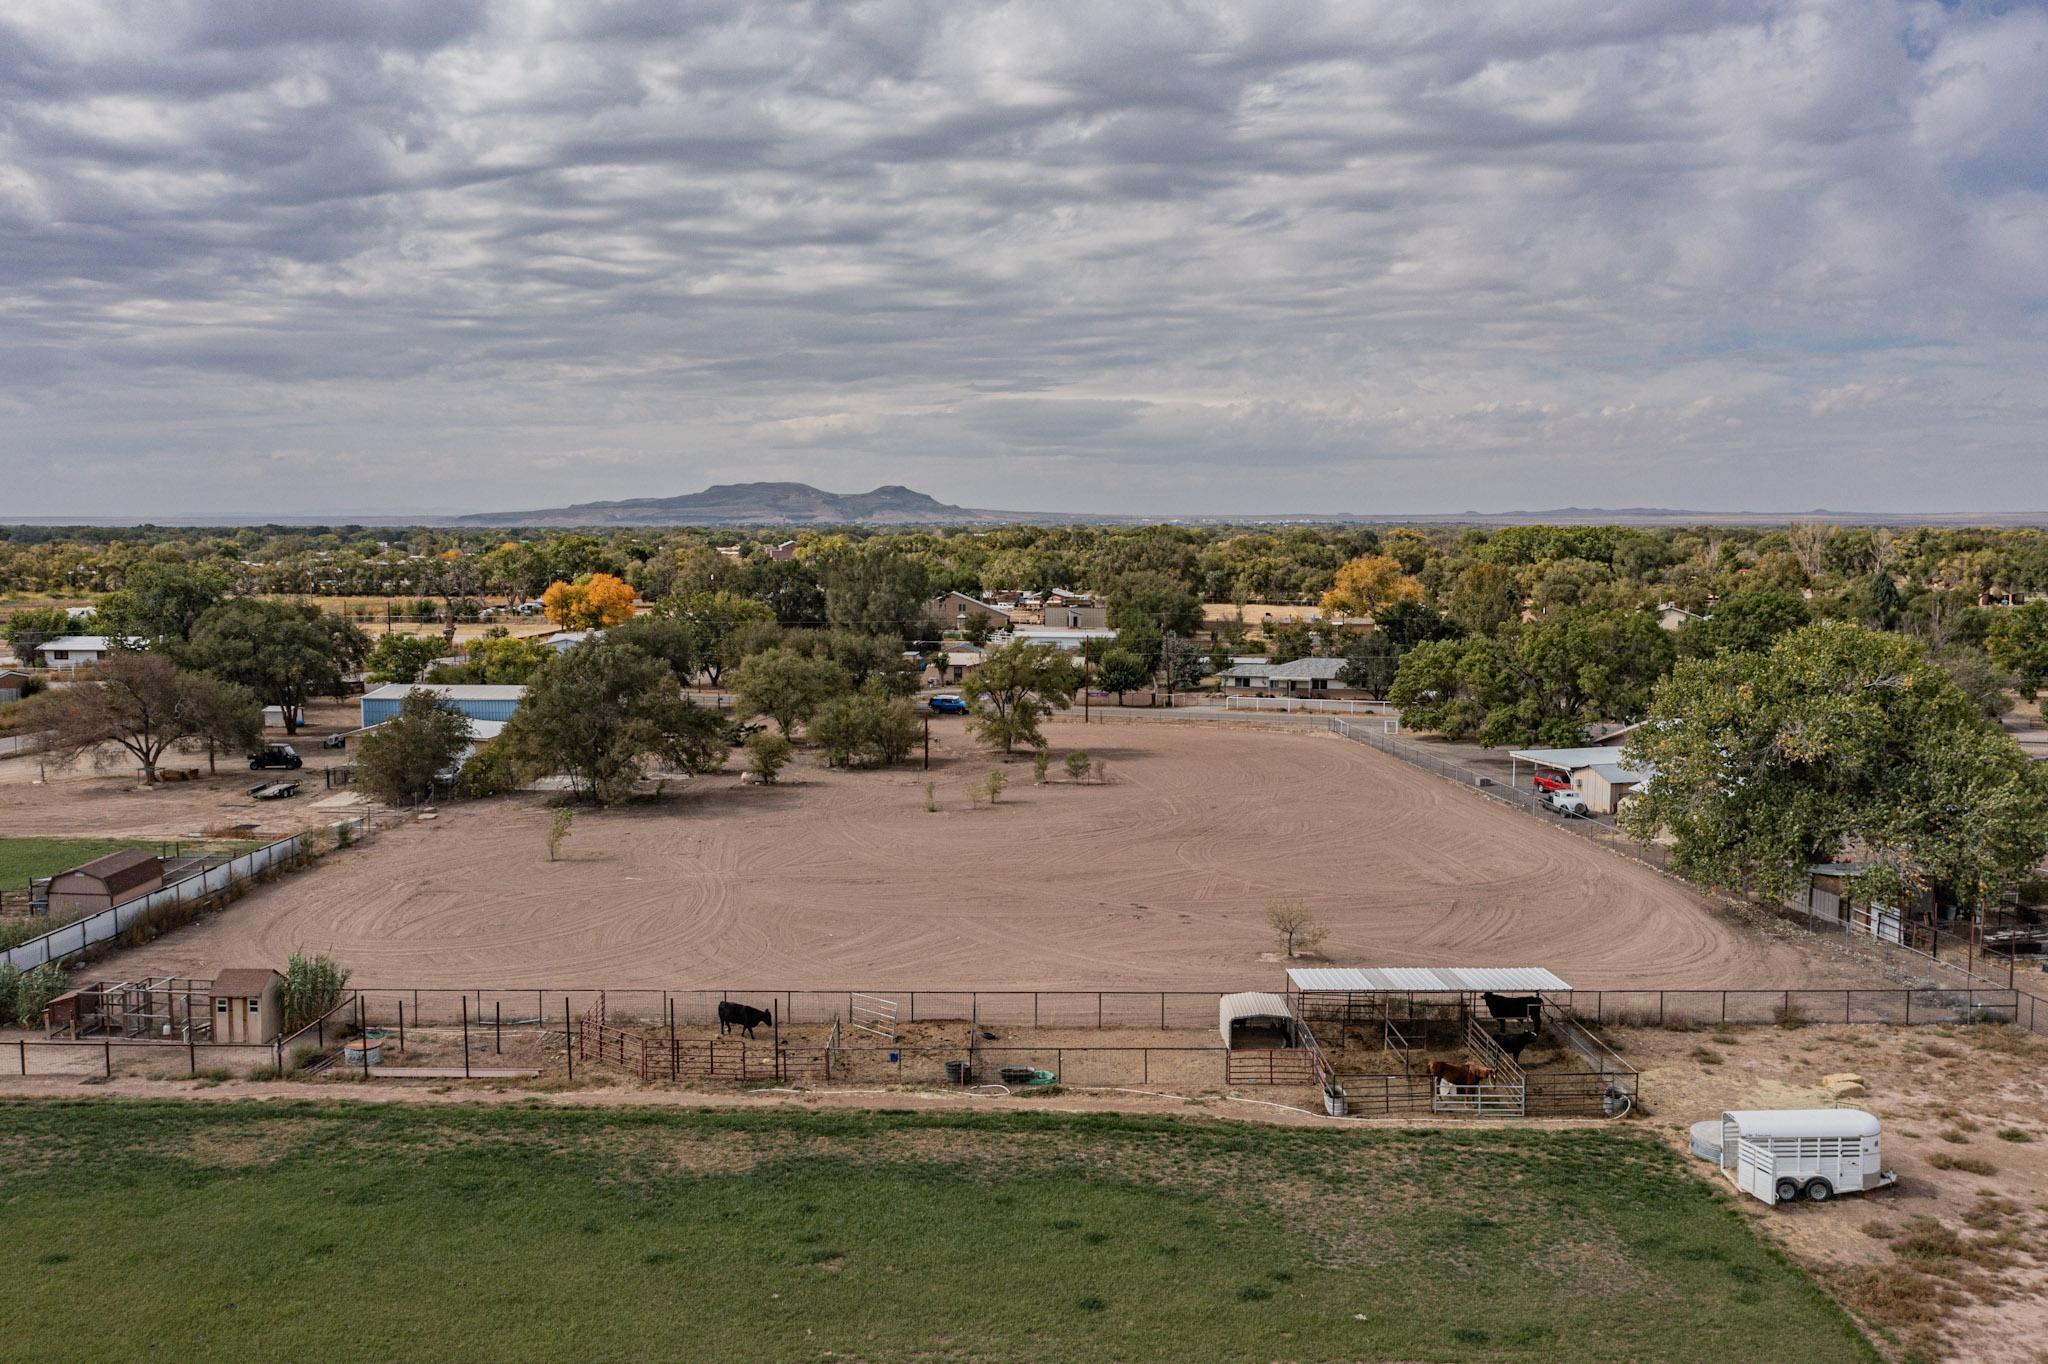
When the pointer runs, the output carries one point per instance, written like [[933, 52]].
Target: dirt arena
[[1156, 880]]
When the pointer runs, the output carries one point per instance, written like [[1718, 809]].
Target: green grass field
[[351, 1231], [22, 859]]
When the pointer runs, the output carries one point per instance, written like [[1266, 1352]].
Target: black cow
[[1504, 1007], [1514, 1043], [745, 1017]]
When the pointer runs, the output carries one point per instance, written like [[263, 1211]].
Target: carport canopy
[[1460, 980], [1252, 1006]]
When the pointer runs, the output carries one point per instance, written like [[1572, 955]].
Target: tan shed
[[248, 1005], [105, 882]]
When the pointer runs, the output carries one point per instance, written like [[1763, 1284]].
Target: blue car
[[947, 705]]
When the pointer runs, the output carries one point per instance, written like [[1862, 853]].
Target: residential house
[[783, 552], [76, 651], [953, 611], [1674, 617], [1065, 611]]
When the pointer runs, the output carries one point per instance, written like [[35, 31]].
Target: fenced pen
[[1377, 1054]]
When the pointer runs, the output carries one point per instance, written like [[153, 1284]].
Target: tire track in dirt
[[1157, 880]]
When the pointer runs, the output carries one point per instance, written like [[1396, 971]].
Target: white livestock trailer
[[1782, 1155]]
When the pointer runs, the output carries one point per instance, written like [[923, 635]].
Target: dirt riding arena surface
[[1156, 879]]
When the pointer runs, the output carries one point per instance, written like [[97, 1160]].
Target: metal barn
[[477, 702]]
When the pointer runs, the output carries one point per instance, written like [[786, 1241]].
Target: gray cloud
[[1258, 257]]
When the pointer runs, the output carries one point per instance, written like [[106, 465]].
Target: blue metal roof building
[[477, 702]]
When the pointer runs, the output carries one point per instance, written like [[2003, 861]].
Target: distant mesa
[[749, 504]]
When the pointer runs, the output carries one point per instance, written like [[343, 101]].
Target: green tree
[[786, 686], [1409, 623], [144, 705], [767, 754], [1485, 597], [32, 627], [1836, 741], [2017, 640], [1885, 603], [403, 658], [1122, 671], [1534, 682], [1160, 600], [285, 653], [867, 728], [873, 591], [598, 713], [715, 618], [672, 640], [499, 660], [402, 759], [1371, 663], [1744, 623], [1019, 685], [164, 599], [1180, 666]]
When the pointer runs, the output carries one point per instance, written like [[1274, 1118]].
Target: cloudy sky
[[1269, 255]]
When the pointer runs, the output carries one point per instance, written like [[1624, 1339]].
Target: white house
[[72, 651], [1067, 641]]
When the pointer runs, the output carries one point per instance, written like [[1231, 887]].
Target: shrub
[[931, 797], [1077, 766], [867, 728], [15, 932], [10, 981], [2014, 1134], [1706, 1056], [558, 829], [994, 784], [487, 773], [1039, 762], [34, 991], [767, 754], [1101, 771], [1789, 1016], [1969, 1165], [312, 986]]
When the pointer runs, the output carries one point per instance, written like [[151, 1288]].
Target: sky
[[1264, 256]]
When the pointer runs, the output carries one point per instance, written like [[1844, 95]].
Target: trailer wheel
[[1819, 1191], [1788, 1191]]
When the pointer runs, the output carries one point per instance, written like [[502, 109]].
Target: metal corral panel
[[1422, 979], [1250, 1004]]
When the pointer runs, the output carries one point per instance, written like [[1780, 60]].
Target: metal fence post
[[465, 1037], [568, 1037], [498, 1024]]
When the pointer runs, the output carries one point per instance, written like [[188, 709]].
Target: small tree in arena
[[1295, 927], [558, 829]]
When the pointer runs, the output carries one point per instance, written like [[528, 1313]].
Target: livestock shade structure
[[1255, 1018], [105, 882], [1463, 980], [1781, 1154], [248, 1005], [477, 702]]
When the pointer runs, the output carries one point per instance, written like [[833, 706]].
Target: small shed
[[13, 682], [248, 1005], [106, 881], [478, 702], [1255, 1019]]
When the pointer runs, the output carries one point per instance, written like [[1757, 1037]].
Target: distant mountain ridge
[[749, 504]]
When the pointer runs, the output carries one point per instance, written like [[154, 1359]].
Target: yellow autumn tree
[[595, 601], [1368, 585]]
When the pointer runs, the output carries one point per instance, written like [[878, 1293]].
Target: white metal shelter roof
[[1570, 759], [1765, 1123], [1250, 1004], [1422, 979], [454, 691]]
